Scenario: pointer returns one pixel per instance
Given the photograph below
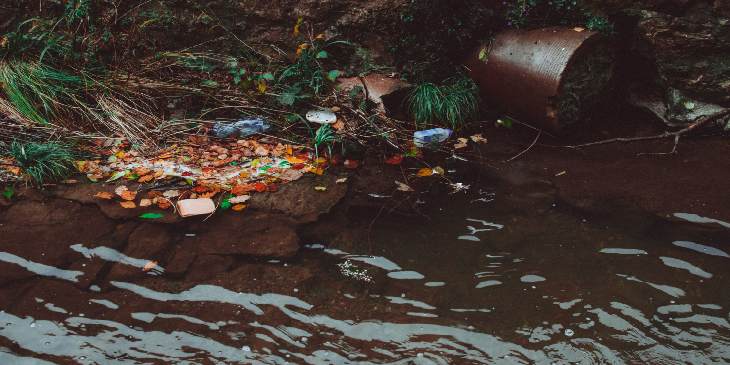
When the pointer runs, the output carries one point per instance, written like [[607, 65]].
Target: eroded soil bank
[[548, 268]]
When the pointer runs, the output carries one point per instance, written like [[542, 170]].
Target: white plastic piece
[[321, 117], [192, 207]]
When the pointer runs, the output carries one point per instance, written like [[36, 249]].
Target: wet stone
[[261, 235]]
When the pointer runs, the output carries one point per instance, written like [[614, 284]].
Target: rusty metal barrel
[[523, 73]]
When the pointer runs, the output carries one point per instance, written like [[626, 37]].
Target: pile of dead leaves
[[231, 170]]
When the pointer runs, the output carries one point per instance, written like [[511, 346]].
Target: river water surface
[[474, 279]]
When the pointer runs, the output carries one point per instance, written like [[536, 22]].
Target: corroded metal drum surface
[[521, 71]]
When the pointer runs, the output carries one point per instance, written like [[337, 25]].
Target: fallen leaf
[[128, 205], [403, 187], [145, 203], [239, 199], [395, 160], [146, 179], [149, 266], [341, 181], [579, 29], [242, 189], [120, 190], [171, 193], [291, 175], [128, 195], [478, 138], [438, 170], [151, 215], [164, 204], [320, 188], [561, 173], [339, 125], [104, 195], [462, 143], [117, 175], [260, 187], [424, 172], [238, 207]]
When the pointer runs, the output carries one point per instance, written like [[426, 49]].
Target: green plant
[[325, 135], [540, 13], [452, 103], [307, 76], [43, 162], [35, 89]]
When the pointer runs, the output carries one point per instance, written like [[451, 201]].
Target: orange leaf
[[145, 202], [238, 207], [163, 203], [104, 195], [242, 189], [128, 195], [146, 179], [295, 160], [424, 172], [260, 187], [128, 205]]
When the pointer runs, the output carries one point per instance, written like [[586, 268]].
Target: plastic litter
[[241, 128], [321, 116], [431, 137], [192, 207]]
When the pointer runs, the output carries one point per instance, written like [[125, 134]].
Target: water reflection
[[538, 288]]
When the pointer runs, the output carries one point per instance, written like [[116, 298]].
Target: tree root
[[677, 135]]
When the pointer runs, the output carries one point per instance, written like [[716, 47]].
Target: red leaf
[[395, 160]]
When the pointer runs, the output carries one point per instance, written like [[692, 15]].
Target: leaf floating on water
[[238, 207], [151, 215], [128, 205], [149, 266], [105, 195], [462, 143], [438, 170], [320, 188], [341, 181]]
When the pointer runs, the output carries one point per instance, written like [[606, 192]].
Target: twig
[[676, 134], [537, 138]]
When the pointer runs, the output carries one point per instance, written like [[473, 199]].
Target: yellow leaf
[[262, 87], [424, 172], [289, 150], [298, 25]]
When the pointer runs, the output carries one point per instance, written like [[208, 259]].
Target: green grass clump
[[35, 89], [453, 103], [43, 162]]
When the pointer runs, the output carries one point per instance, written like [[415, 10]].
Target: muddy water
[[471, 278]]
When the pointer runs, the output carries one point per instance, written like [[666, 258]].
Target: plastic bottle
[[431, 137], [241, 128]]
